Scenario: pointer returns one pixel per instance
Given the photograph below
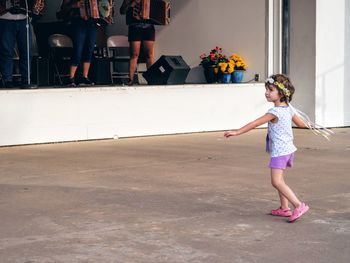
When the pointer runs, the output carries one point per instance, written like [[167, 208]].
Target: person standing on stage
[[140, 32], [13, 30], [83, 32]]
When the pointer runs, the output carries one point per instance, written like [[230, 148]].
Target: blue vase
[[225, 78], [237, 76]]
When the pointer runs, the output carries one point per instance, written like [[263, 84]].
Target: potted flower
[[239, 67], [210, 63], [226, 68]]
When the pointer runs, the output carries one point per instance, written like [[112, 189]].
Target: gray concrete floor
[[184, 198]]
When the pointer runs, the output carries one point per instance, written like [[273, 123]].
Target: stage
[[49, 115]]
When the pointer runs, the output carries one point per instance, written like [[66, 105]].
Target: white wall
[[347, 65], [332, 62], [320, 59], [54, 115]]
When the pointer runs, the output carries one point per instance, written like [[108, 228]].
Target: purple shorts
[[282, 162]]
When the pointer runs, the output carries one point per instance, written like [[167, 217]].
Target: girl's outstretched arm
[[260, 121]]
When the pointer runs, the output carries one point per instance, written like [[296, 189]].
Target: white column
[[332, 69], [274, 61]]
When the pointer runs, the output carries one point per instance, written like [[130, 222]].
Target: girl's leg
[[284, 201], [148, 47], [134, 55], [278, 182]]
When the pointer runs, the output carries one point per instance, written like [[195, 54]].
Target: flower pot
[[210, 74], [225, 78], [237, 76]]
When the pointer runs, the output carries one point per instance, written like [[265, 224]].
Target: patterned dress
[[279, 140]]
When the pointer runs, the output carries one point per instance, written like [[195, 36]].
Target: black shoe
[[86, 81], [71, 83], [8, 85], [130, 82]]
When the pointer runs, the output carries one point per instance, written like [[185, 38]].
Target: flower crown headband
[[279, 85], [314, 127]]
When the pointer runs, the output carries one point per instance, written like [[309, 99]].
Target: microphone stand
[[28, 45]]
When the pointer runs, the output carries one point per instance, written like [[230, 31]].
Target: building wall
[[199, 25], [347, 65], [320, 59], [332, 62]]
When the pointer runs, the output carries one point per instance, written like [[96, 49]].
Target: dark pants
[[83, 34], [12, 32]]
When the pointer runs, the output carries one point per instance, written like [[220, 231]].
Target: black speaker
[[167, 70], [40, 71], [100, 71]]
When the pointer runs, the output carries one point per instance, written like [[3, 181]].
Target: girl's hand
[[231, 133]]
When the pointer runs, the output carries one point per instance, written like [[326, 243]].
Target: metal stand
[[28, 44]]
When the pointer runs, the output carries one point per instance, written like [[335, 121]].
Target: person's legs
[[7, 43], [86, 69], [148, 48], [134, 55], [278, 182], [89, 45], [72, 71], [78, 33]]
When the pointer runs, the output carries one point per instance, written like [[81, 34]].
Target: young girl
[[279, 141]]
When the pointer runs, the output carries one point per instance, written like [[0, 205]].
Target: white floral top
[[280, 134]]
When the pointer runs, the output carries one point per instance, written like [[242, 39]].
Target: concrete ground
[[184, 198]]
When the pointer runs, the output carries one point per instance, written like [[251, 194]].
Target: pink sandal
[[281, 212], [298, 212]]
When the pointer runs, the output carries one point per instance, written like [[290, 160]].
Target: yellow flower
[[239, 62], [226, 67]]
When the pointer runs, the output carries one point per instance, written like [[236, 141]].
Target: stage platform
[[48, 115]]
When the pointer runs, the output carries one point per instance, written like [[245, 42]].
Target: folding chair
[[61, 47], [2, 81], [119, 56]]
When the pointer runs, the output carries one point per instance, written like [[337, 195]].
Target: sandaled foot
[[298, 212], [282, 212]]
